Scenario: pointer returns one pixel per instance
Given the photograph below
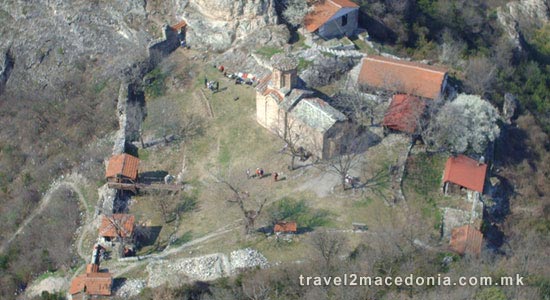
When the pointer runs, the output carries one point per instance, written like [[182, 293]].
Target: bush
[[288, 209]]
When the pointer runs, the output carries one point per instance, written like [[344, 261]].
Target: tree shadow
[[512, 147], [118, 283], [149, 235], [377, 30]]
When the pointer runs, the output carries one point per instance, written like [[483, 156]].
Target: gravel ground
[[208, 267]]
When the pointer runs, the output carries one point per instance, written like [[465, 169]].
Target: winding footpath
[[70, 182]]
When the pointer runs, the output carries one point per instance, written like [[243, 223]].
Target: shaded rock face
[[53, 40], [517, 12], [216, 24]]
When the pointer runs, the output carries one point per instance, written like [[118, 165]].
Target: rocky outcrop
[[51, 41], [216, 24], [515, 13], [207, 267]]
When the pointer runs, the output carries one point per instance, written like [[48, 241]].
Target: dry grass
[[232, 142]]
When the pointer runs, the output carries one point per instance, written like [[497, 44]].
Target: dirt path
[[171, 251], [70, 182]]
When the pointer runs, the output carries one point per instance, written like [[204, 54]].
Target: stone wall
[[267, 112]]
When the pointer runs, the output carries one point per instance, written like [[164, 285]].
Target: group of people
[[260, 174]]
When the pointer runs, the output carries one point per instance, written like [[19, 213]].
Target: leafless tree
[[166, 118], [480, 75], [347, 159], [250, 215], [257, 286], [360, 107], [329, 245], [291, 134], [123, 234]]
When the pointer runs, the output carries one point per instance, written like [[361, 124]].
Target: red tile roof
[[92, 284], [323, 11], [466, 172], [466, 239], [117, 225], [123, 165], [179, 26], [285, 226], [279, 97], [404, 113], [402, 76]]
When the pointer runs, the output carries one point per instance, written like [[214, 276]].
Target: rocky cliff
[[216, 24], [52, 40], [524, 12]]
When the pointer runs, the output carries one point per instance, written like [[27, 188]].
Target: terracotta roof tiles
[[285, 226], [92, 284], [404, 113], [117, 225], [466, 172], [179, 26], [122, 165], [466, 240], [323, 11], [402, 76]]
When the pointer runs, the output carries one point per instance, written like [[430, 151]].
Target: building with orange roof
[[284, 109], [466, 240], [404, 113], [283, 227], [464, 172], [179, 27], [332, 18], [122, 168], [117, 226], [402, 76], [92, 284]]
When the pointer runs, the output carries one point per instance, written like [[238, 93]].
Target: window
[[344, 20]]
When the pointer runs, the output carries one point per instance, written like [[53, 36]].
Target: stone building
[[286, 110], [332, 18]]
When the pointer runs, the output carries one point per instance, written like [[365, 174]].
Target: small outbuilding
[[92, 284], [462, 172], [332, 18], [122, 168], [404, 114], [117, 226], [466, 240], [285, 227]]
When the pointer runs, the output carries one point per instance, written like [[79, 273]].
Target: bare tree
[[250, 215], [360, 107], [346, 160], [124, 235], [328, 245], [168, 120], [291, 135], [480, 75]]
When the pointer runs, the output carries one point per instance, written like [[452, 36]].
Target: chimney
[[481, 161]]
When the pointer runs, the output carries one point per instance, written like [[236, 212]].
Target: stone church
[[286, 110]]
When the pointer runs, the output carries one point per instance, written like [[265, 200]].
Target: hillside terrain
[[84, 81]]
